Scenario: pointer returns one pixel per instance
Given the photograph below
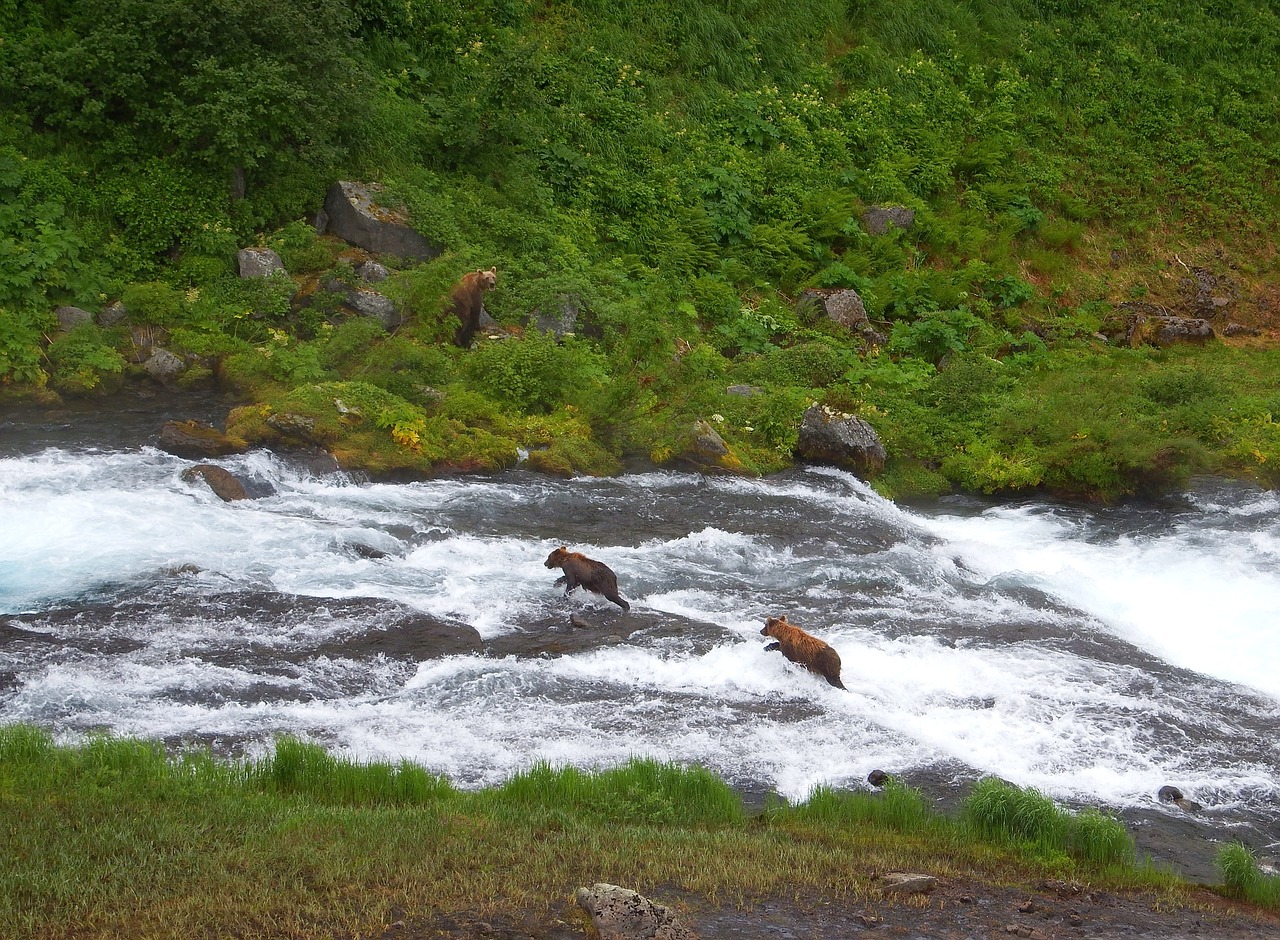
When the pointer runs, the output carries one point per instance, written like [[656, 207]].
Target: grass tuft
[[1243, 879]]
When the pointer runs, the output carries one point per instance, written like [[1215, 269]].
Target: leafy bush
[[535, 373], [82, 358]]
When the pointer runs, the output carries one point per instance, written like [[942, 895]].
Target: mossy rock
[[368, 428]]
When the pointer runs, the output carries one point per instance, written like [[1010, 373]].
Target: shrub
[[536, 373]]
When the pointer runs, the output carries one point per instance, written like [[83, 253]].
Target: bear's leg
[[773, 646], [617, 599]]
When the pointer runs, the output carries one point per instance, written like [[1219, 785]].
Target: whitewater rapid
[[1095, 654]]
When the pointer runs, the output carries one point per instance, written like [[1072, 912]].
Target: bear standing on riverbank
[[591, 574], [800, 647], [468, 302]]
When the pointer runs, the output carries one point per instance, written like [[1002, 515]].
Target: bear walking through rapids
[[591, 574], [802, 648]]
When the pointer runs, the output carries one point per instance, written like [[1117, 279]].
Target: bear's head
[[555, 559], [488, 279], [772, 623]]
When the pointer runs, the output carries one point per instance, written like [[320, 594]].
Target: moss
[[907, 479]]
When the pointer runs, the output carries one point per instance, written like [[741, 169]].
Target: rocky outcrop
[[841, 440], [196, 439], [622, 914], [356, 214], [228, 488], [904, 882], [1169, 331]]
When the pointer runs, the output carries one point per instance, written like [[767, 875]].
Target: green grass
[[1244, 880], [115, 838]]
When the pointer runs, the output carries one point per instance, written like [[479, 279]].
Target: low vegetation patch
[[118, 838]]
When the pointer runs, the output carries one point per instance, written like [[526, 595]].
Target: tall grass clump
[[639, 791], [299, 768], [897, 806], [1242, 878], [1014, 816]]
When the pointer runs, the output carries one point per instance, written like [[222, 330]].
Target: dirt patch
[[956, 910]]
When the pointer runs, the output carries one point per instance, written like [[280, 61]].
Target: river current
[[1095, 654]]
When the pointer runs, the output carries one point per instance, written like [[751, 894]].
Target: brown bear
[[800, 647], [468, 302], [591, 574]]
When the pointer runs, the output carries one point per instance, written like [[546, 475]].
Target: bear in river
[[591, 574], [800, 647], [467, 297]]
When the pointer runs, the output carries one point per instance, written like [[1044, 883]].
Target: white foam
[[947, 655]]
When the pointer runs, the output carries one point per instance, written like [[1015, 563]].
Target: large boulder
[[197, 439], [259, 262], [164, 366], [224, 483], [843, 306], [369, 303], [842, 440], [357, 215], [622, 914]]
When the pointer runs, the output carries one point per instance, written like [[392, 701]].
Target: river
[[1094, 653]]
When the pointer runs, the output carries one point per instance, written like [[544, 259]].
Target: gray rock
[[904, 882], [259, 262], [877, 778], [163, 365], [115, 314], [707, 442], [1188, 806], [221, 481], [744, 391], [843, 306], [1172, 330], [371, 272], [1169, 794], [71, 317], [622, 914], [375, 306], [877, 220], [561, 322], [829, 437], [358, 216], [1239, 329]]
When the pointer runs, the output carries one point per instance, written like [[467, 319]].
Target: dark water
[[1096, 655]]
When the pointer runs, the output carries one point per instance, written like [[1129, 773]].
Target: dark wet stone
[[222, 481]]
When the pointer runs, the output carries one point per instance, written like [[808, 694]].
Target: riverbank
[[113, 838]]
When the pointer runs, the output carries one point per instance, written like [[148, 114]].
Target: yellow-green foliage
[[369, 428]]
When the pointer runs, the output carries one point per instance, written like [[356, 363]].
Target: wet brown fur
[[591, 574], [802, 648], [468, 301]]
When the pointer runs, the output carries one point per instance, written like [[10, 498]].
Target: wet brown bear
[[800, 647], [591, 574], [468, 301]]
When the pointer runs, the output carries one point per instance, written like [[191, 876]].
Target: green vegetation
[[115, 838], [677, 174], [1244, 880]]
